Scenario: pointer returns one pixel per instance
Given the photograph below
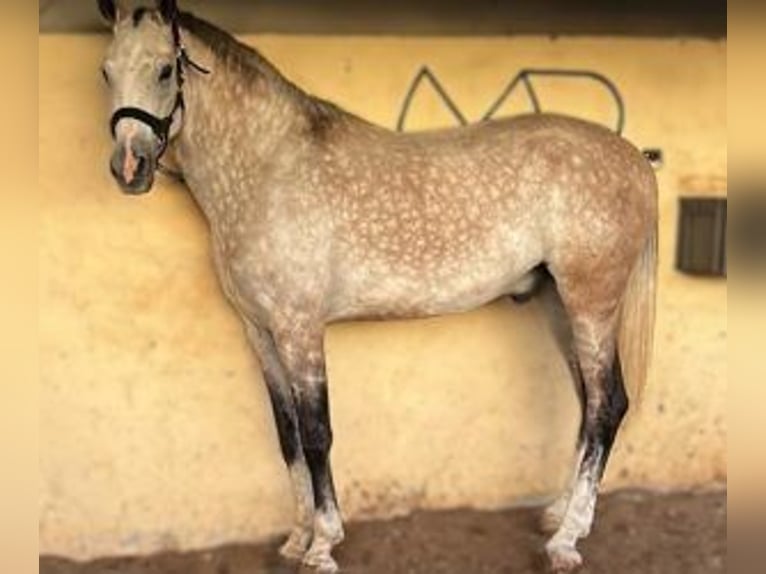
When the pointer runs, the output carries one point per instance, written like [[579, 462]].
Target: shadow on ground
[[635, 533]]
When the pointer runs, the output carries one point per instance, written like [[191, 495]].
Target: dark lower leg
[[599, 430], [286, 419], [316, 438]]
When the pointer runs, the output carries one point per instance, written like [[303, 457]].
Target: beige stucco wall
[[155, 429]]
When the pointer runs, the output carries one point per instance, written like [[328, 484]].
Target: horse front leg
[[288, 430], [302, 351]]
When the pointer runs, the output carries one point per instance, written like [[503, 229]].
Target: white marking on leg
[[302, 533], [301, 477], [577, 520], [553, 515], [328, 525], [328, 532]]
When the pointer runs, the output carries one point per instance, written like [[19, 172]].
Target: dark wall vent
[[701, 248]]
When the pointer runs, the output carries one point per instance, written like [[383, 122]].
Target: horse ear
[[112, 10], [168, 9], [108, 9]]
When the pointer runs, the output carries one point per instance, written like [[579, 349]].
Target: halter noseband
[[161, 126]]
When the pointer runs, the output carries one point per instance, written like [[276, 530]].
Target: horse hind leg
[[599, 428], [553, 514], [593, 313], [560, 326]]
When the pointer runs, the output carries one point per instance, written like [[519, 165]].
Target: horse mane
[[320, 114], [227, 47]]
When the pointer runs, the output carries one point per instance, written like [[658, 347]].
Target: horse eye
[[105, 74], [166, 72]]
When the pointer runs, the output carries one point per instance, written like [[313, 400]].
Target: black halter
[[161, 126]]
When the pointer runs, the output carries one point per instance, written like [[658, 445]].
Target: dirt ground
[[635, 533]]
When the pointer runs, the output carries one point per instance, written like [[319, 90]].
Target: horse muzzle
[[133, 166]]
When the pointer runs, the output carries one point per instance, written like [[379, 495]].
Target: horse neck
[[237, 124]]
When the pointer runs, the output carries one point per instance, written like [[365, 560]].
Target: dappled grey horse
[[318, 216]]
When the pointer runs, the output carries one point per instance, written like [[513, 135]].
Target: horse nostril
[[141, 165]]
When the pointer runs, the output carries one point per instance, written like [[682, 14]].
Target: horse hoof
[[295, 546], [321, 561], [563, 559]]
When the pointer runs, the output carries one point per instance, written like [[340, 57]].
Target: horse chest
[[260, 286], [242, 284]]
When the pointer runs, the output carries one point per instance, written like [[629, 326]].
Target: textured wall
[[155, 428]]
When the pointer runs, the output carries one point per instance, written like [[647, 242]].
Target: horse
[[318, 216]]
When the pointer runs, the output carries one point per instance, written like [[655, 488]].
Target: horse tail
[[636, 329]]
